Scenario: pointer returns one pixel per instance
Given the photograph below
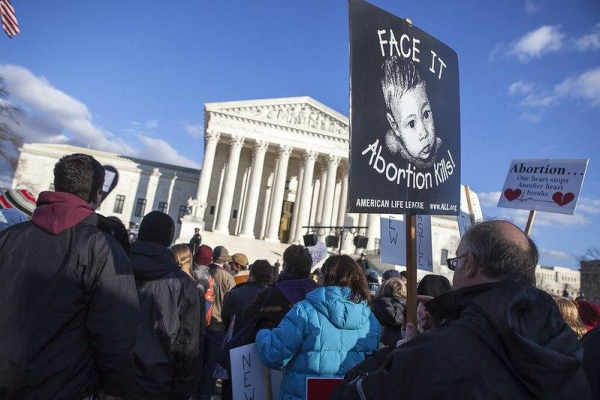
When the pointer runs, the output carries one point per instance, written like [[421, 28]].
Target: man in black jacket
[[496, 335], [68, 302], [167, 346]]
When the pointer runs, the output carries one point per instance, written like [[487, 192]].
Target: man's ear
[[97, 199], [472, 266], [393, 123]]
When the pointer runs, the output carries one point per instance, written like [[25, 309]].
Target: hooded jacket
[[277, 300], [325, 335], [167, 345], [497, 340], [68, 304], [389, 311]]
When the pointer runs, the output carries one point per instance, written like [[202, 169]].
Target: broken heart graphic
[[512, 194], [561, 199]]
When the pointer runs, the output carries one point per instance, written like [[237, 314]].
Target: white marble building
[[143, 185]]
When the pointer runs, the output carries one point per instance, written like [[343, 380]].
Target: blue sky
[[132, 77]]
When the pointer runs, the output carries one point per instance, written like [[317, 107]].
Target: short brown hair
[[391, 287], [344, 271], [80, 175]]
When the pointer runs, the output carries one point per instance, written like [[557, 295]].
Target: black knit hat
[[157, 227]]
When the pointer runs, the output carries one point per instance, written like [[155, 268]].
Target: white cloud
[[589, 42], [555, 254], [489, 199], [195, 130], [531, 117], [50, 112], [534, 44], [585, 86], [52, 116], [531, 6], [158, 149], [588, 206], [520, 87]]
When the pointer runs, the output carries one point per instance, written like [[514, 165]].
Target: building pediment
[[303, 113]]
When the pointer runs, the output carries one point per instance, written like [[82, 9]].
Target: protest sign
[[405, 117], [321, 388], [393, 241], [470, 210], [543, 185], [111, 178], [250, 379]]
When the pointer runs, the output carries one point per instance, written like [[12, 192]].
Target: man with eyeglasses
[[496, 335]]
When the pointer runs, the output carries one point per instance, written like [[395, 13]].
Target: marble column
[[296, 209], [305, 200], [236, 144], [341, 217], [362, 221], [332, 164], [210, 148], [321, 201], [258, 162], [373, 224], [170, 196], [279, 191]]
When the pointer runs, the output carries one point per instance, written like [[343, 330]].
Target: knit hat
[[220, 254], [21, 199], [240, 258], [203, 255], [157, 227]]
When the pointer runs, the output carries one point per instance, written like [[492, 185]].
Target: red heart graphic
[[561, 199], [512, 194]]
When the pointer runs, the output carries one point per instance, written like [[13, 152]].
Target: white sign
[[424, 253], [543, 185], [250, 379], [109, 176], [468, 213], [393, 241]]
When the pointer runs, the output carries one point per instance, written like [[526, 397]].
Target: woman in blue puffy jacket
[[325, 335]]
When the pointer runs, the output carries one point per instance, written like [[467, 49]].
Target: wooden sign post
[[529, 222]]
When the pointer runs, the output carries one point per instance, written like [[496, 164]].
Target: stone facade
[[143, 185], [590, 280]]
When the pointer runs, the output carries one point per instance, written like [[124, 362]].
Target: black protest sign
[[111, 178], [404, 117]]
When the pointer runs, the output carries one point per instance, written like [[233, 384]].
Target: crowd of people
[[87, 314]]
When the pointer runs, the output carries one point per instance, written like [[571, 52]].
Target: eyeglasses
[[451, 262]]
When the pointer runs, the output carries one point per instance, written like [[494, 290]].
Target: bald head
[[502, 251]]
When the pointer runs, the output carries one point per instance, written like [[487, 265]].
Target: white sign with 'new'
[[393, 241]]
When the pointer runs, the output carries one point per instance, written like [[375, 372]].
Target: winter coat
[[389, 311], [284, 294], [237, 300], [222, 283], [591, 355], [496, 340], [68, 304], [325, 335], [167, 345]]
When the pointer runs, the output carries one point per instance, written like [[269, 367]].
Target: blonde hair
[[391, 287], [571, 316], [183, 255]]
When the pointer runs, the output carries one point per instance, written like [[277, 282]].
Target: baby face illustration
[[411, 120]]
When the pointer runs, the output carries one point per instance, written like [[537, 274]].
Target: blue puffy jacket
[[324, 335]]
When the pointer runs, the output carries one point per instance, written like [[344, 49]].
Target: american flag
[[9, 19]]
